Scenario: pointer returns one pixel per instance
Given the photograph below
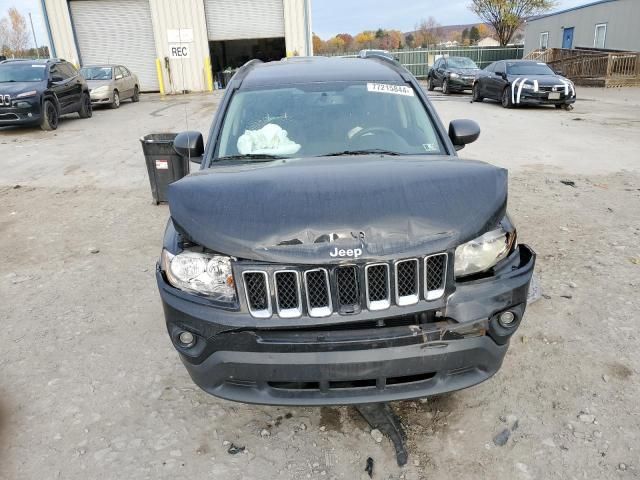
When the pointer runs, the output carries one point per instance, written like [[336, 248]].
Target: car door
[[61, 87], [120, 82], [441, 71], [497, 81], [131, 82], [483, 78], [75, 82]]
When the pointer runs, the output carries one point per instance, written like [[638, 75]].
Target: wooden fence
[[593, 67]]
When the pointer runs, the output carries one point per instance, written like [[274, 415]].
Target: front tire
[[85, 107], [50, 116], [476, 93], [430, 85], [116, 100], [445, 86], [506, 98], [136, 95]]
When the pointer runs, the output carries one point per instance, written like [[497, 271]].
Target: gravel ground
[[91, 388]]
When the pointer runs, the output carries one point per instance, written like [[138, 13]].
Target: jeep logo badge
[[6, 100], [351, 252]]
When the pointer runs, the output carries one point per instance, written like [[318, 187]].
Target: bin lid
[[158, 138]]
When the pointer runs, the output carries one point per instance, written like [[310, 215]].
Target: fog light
[[186, 339], [506, 319]]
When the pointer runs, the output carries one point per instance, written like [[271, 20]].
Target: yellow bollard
[[160, 78], [209, 74]]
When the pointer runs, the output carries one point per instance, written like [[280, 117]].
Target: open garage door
[[117, 31], [244, 19]]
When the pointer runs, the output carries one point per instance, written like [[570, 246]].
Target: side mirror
[[190, 145], [462, 132]]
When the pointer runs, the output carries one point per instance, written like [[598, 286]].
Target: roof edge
[[579, 7]]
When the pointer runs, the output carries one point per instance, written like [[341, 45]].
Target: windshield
[[22, 72], [525, 68], [461, 62], [96, 73], [320, 119]]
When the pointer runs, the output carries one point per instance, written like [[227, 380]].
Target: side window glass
[[125, 71], [54, 73], [490, 68], [71, 69], [118, 72]]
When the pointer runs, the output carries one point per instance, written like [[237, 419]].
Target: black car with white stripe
[[333, 248], [523, 82]]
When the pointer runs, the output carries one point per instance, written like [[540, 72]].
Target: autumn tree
[[365, 39], [506, 16], [4, 37], [18, 38], [428, 32], [318, 44], [347, 39]]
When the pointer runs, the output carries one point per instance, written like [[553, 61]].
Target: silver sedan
[[110, 84]]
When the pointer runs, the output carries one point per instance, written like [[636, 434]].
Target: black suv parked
[[453, 74], [38, 92], [333, 248]]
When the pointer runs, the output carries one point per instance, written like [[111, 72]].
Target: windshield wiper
[[370, 151], [8, 81], [249, 157]]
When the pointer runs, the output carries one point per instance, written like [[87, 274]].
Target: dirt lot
[[91, 388]]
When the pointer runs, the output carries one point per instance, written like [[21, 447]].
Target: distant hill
[[453, 32]]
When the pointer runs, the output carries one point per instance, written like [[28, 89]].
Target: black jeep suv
[[453, 74], [38, 92], [333, 248]]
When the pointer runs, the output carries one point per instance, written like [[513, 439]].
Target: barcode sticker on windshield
[[389, 88]]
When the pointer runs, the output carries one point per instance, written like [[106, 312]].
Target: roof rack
[[398, 67], [245, 69]]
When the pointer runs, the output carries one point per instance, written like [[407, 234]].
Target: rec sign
[[179, 50]]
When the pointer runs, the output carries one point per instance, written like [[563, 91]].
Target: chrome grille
[[257, 288], [435, 274], [407, 282], [348, 288], [318, 293], [377, 286], [287, 286], [345, 289]]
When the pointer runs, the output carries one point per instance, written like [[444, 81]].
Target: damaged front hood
[[307, 210]]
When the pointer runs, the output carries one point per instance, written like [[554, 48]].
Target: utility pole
[[35, 42]]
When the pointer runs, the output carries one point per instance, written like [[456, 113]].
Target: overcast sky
[[337, 16], [330, 17]]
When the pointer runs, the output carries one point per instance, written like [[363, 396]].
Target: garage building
[[175, 46]]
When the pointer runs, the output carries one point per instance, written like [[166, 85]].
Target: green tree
[[379, 33], [506, 16], [474, 35], [465, 35]]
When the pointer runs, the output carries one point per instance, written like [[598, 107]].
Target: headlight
[[203, 273], [484, 252], [31, 93], [453, 75], [102, 89], [527, 86]]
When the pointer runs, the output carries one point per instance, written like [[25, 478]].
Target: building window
[[544, 40], [600, 35]]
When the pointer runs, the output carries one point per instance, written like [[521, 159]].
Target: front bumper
[[21, 112], [542, 98], [101, 98], [461, 83], [352, 360]]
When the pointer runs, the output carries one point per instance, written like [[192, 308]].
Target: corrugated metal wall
[[244, 19], [105, 36], [191, 73], [187, 73]]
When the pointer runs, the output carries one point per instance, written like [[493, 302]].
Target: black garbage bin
[[164, 165]]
